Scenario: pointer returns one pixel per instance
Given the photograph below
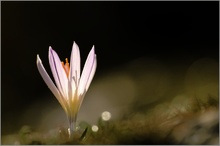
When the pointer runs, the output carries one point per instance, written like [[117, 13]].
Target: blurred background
[[147, 52]]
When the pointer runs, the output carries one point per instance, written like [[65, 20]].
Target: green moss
[[157, 126]]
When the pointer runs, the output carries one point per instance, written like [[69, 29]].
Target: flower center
[[66, 66]]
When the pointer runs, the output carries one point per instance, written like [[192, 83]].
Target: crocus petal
[[92, 73], [58, 73], [49, 82], [74, 74], [88, 82], [71, 90], [75, 63], [86, 71]]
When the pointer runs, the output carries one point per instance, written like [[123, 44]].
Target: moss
[[160, 125]]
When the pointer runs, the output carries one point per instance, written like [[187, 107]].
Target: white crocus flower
[[70, 87]]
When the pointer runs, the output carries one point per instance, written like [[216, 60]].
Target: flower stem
[[72, 126]]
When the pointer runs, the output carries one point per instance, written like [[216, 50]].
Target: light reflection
[[95, 128], [106, 116]]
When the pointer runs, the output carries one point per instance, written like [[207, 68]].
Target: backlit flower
[[71, 86]]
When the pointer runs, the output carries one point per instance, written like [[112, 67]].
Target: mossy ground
[[162, 124]]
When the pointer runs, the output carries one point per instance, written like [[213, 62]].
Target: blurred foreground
[[147, 102]]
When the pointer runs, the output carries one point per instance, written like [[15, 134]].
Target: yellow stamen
[[66, 66]]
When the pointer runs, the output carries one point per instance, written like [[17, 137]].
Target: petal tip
[[38, 59], [75, 45], [93, 49]]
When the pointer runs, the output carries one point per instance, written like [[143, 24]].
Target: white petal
[[86, 71], [49, 82], [58, 72], [70, 90], [92, 73], [88, 82], [74, 74], [75, 63]]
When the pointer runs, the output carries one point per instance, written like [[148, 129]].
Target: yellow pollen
[[66, 66]]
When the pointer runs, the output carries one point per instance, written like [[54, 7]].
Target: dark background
[[121, 31]]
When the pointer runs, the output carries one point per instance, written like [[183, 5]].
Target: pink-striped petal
[[88, 82], [58, 72], [86, 71], [49, 82], [75, 63], [92, 73]]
